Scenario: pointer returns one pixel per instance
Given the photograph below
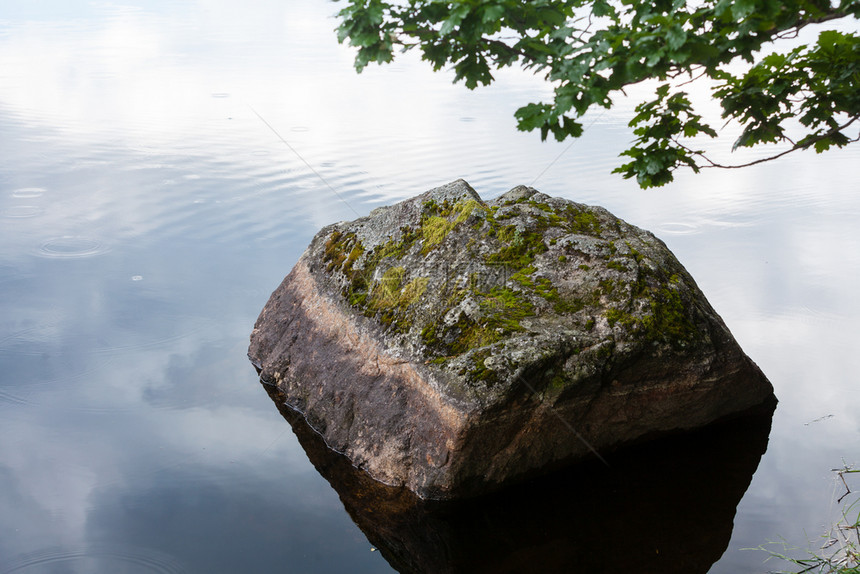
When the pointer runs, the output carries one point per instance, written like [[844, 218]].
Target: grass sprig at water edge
[[840, 551]]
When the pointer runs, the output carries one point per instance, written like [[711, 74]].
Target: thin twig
[[799, 146], [693, 79], [841, 474]]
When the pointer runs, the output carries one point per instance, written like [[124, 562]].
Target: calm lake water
[[148, 209]]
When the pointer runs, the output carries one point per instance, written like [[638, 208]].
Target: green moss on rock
[[511, 238], [438, 221], [479, 371]]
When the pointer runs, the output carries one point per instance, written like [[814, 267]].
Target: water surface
[[163, 165]]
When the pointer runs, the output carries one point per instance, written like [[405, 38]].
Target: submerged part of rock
[[452, 345]]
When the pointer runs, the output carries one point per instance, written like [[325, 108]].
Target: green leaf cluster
[[658, 125], [819, 85], [591, 50]]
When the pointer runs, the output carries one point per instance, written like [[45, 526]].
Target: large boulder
[[452, 345]]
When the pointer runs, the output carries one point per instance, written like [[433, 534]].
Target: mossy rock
[[432, 338]]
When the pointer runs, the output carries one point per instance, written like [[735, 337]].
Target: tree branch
[[806, 145]]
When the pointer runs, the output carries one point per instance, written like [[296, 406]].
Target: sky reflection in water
[[146, 213]]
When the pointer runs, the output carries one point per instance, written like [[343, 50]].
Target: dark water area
[[147, 212]]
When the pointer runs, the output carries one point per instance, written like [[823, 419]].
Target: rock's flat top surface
[[450, 344]]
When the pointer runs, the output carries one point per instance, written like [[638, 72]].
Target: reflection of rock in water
[[665, 507]]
